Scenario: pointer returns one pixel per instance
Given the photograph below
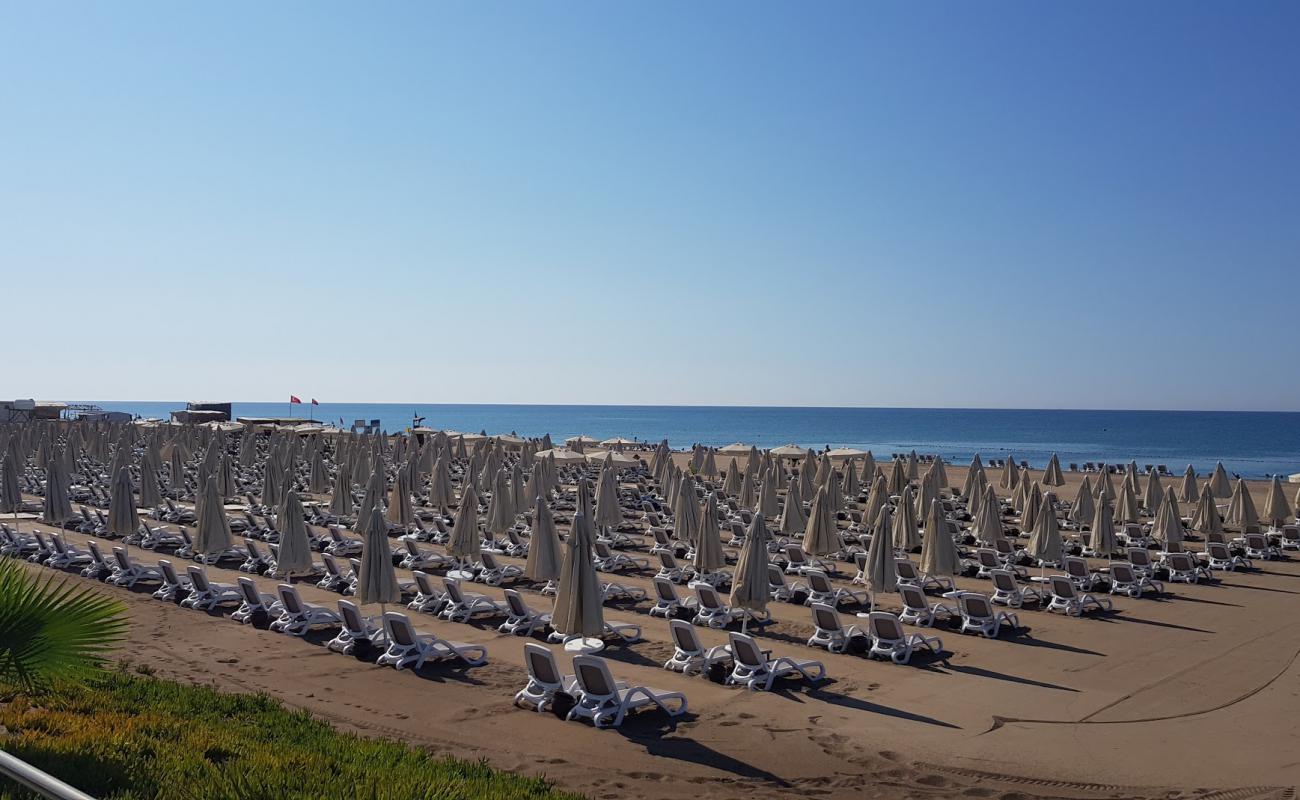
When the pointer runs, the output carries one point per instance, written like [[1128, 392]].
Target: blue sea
[[1252, 444]]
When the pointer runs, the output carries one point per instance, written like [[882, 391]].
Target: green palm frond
[[52, 630]]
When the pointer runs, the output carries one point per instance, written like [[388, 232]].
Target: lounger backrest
[[1062, 586], [745, 651], [684, 636], [913, 598], [199, 578], [517, 605], [1256, 541], [489, 560], [707, 595], [665, 590], [331, 566], [423, 582], [541, 664], [1139, 557], [666, 560], [453, 590], [1076, 567], [249, 590], [818, 582], [253, 552], [905, 569], [120, 556], [1004, 581], [1005, 547], [977, 606], [56, 540], [775, 576], [988, 558], [1218, 551], [169, 573], [593, 676], [351, 616], [411, 548], [1181, 562], [1122, 573], [884, 625], [1173, 547], [826, 618], [94, 552], [794, 553], [289, 598], [398, 627]]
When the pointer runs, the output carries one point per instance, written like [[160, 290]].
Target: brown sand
[[1191, 695]]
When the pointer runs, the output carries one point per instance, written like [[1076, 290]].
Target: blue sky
[[854, 204]]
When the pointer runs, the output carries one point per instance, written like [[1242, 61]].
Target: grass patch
[[120, 736]]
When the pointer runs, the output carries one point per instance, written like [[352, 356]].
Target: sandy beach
[[1186, 695]]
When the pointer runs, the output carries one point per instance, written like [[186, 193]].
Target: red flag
[[293, 399], [313, 402]]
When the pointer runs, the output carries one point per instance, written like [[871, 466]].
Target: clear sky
[[866, 204]]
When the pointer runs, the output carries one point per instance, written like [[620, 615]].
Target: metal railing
[[43, 783]]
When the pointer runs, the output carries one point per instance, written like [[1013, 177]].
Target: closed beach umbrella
[[319, 480], [465, 543], [400, 511], [11, 497], [295, 548], [56, 508], [1052, 474], [973, 473], [1168, 524], [1010, 474], [1126, 507], [849, 485], [906, 535], [441, 493], [708, 556], [341, 498], [793, 521], [897, 477], [578, 612], [987, 525], [882, 578], [767, 502], [1276, 507], [821, 538], [807, 471], [1207, 519], [1241, 510], [543, 547], [748, 495], [272, 476], [500, 513], [177, 471], [1045, 540], [1106, 488], [1104, 541], [749, 587], [1083, 509], [1190, 493], [939, 556], [939, 472], [732, 484], [123, 519], [372, 499], [913, 466], [686, 511], [1219, 482], [150, 495], [877, 499], [377, 582], [1155, 492], [608, 513], [212, 529], [868, 474], [1033, 503]]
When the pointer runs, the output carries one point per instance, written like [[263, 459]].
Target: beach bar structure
[[203, 412]]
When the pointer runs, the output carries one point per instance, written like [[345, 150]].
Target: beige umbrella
[[441, 493], [56, 508], [1168, 524], [341, 497], [376, 581], [1106, 488], [319, 480], [849, 486], [1276, 507], [1045, 540], [465, 543], [295, 548], [1032, 504], [749, 588], [940, 474], [686, 511], [939, 556], [821, 537], [897, 477], [807, 473], [123, 518], [868, 474], [608, 513], [1155, 492], [1083, 509], [906, 535], [973, 475], [1010, 474], [877, 498], [1241, 510], [500, 512], [1126, 508], [1103, 539], [543, 549], [372, 499], [578, 616], [1206, 519], [732, 484], [913, 466], [150, 494], [767, 502], [1219, 482], [882, 577], [748, 494], [707, 558], [1190, 492], [400, 511], [212, 529], [987, 525], [1052, 474], [793, 521]]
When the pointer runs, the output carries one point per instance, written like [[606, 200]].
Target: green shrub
[[119, 736]]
